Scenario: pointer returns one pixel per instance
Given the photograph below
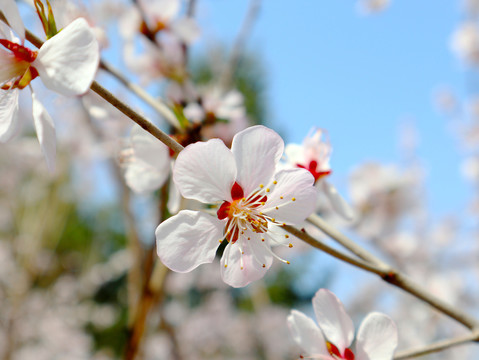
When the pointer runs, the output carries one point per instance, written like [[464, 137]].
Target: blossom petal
[[143, 178], [336, 325], [149, 149], [257, 150], [186, 29], [45, 132], [188, 239], [294, 154], [205, 171], [291, 184], [10, 10], [337, 202], [67, 62], [8, 113], [307, 334], [245, 260], [377, 338]]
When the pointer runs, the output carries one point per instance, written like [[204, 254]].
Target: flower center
[[16, 65], [315, 170], [243, 213], [334, 351]]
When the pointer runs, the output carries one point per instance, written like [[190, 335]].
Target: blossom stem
[[136, 117], [331, 251], [393, 276], [231, 66], [157, 104], [437, 346]]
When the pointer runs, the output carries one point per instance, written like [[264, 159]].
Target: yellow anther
[[264, 265], [241, 268], [242, 252], [262, 240], [249, 238], [275, 182], [286, 236], [267, 189], [287, 262], [284, 224], [273, 219], [226, 265], [261, 186], [277, 208], [290, 245], [281, 197], [293, 199]]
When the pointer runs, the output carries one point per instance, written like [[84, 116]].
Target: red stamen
[[237, 191], [223, 211], [333, 350], [313, 169], [348, 354], [20, 52]]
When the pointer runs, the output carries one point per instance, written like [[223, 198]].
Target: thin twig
[[136, 117], [158, 104], [343, 240], [396, 278], [331, 251], [238, 46], [438, 346]]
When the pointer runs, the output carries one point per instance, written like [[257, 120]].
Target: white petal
[[186, 29], [143, 178], [294, 154], [292, 183], [150, 150], [67, 62], [307, 334], [337, 202], [257, 150], [245, 260], [45, 131], [174, 198], [8, 113], [336, 325], [10, 10], [377, 338], [188, 240], [205, 171]]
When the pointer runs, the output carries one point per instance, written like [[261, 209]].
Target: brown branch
[[438, 346], [394, 277]]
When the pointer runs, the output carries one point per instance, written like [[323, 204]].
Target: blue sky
[[359, 77]]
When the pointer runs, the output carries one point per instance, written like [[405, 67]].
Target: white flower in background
[[314, 155], [148, 165], [376, 338], [66, 63], [222, 114], [465, 42], [255, 199], [383, 195], [160, 17], [373, 6]]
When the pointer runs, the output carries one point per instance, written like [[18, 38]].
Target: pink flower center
[[334, 351], [243, 213], [314, 170]]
